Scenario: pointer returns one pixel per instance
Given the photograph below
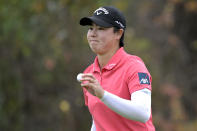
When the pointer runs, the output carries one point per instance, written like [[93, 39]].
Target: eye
[[90, 28], [101, 28]]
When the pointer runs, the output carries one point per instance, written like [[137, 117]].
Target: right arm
[[93, 128]]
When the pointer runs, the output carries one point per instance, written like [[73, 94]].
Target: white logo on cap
[[98, 13], [100, 10], [118, 22]]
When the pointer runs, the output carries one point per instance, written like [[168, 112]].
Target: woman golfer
[[117, 86]]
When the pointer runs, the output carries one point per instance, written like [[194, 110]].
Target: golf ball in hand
[[79, 77]]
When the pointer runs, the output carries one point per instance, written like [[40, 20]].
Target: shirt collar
[[112, 62]]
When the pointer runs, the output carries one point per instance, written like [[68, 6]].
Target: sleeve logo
[[144, 78]]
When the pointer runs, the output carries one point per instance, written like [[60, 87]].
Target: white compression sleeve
[[93, 128], [138, 108]]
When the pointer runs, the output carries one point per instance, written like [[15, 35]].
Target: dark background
[[43, 48]]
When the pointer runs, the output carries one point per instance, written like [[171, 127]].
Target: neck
[[103, 59]]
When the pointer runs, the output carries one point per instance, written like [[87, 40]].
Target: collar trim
[[113, 62]]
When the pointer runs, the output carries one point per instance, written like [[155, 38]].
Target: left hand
[[92, 85]]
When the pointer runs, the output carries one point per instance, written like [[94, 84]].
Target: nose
[[93, 32]]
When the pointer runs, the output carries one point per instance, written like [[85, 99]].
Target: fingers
[[86, 84], [88, 77], [92, 85], [89, 81]]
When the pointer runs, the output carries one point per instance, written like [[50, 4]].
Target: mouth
[[93, 40]]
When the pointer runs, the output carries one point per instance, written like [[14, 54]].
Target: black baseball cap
[[106, 16]]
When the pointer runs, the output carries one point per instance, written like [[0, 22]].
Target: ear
[[119, 33]]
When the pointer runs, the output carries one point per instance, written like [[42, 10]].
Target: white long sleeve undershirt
[[138, 108], [93, 128]]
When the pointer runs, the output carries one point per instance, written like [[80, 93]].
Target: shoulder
[[135, 62], [135, 65], [137, 74]]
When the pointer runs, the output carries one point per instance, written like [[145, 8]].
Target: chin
[[96, 50]]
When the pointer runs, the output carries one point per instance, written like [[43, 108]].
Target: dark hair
[[121, 42]]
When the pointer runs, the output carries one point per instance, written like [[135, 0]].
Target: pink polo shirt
[[123, 75]]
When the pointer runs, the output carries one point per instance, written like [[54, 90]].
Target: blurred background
[[43, 48]]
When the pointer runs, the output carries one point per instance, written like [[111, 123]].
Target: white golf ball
[[79, 77]]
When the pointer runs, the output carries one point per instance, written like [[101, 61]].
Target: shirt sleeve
[[138, 77]]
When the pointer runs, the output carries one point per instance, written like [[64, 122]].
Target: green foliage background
[[43, 48]]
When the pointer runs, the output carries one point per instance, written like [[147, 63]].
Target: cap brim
[[89, 20]]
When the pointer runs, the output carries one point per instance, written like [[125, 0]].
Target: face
[[102, 40]]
